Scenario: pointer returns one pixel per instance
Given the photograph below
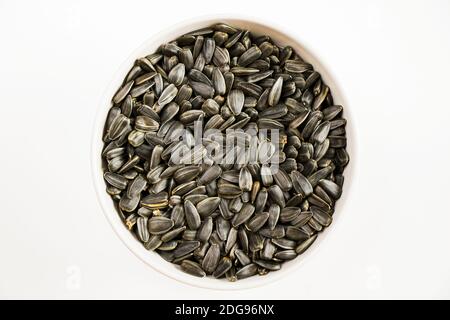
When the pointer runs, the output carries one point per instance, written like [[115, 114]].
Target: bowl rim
[[152, 259]]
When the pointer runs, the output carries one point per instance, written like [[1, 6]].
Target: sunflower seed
[[210, 107], [289, 213], [159, 225], [185, 248], [294, 233], [192, 268], [277, 232], [245, 214], [193, 219], [229, 191], [242, 257], [211, 259], [153, 243], [320, 193], [319, 175], [200, 190], [142, 230], [136, 186], [168, 246], [282, 180], [274, 215], [202, 89], [314, 225], [266, 175], [154, 175], [224, 210], [235, 101], [271, 124], [233, 39], [209, 175], [198, 76], [231, 239], [221, 57], [209, 46], [113, 113], [301, 219], [205, 230], [275, 92], [268, 250], [186, 58], [231, 176], [176, 75], [261, 200], [314, 119], [136, 138], [220, 38], [206, 207], [269, 265], [284, 243], [133, 73], [131, 220], [224, 265], [189, 235], [118, 127], [266, 150], [236, 205], [116, 163], [257, 222], [183, 188], [147, 64], [286, 255], [116, 180], [245, 180], [320, 98], [301, 184], [304, 245], [276, 195], [145, 124], [167, 95], [255, 190], [321, 132], [251, 89], [198, 46], [113, 190], [247, 271], [240, 71], [296, 67], [331, 188], [140, 90], [172, 234], [185, 174], [249, 56], [321, 216], [122, 93], [274, 112]]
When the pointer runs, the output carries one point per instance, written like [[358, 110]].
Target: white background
[[390, 57]]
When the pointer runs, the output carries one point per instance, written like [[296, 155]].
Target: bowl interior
[[152, 258]]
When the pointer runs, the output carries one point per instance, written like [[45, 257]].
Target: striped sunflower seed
[[192, 268], [211, 259], [159, 225], [193, 219], [168, 95], [235, 101]]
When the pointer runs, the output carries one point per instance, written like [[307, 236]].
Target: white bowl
[[153, 259]]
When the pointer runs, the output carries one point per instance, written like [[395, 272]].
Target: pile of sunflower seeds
[[230, 219]]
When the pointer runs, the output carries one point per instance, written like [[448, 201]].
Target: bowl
[[152, 258]]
